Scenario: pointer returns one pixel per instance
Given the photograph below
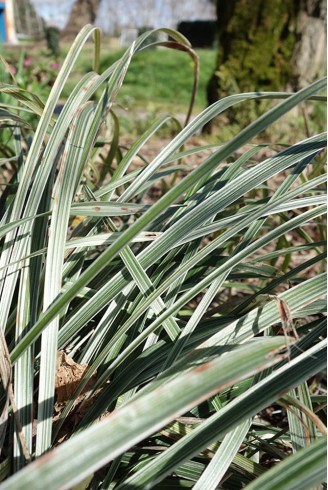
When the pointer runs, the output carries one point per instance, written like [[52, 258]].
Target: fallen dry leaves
[[68, 375]]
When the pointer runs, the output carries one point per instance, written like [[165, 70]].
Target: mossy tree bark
[[83, 12], [267, 46]]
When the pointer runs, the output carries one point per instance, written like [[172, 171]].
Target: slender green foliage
[[144, 337]]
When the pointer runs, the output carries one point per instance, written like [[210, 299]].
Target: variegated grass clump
[[106, 355]]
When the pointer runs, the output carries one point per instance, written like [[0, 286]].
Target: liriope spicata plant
[[142, 340]]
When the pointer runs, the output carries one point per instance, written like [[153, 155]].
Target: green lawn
[[158, 78]]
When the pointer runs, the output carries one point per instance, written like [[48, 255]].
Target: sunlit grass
[[152, 311]]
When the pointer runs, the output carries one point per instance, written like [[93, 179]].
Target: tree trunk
[[266, 46], [83, 12], [310, 51]]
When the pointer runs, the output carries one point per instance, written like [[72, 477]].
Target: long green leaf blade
[[99, 444], [305, 469]]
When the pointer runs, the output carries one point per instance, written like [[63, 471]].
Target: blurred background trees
[[243, 45], [83, 12]]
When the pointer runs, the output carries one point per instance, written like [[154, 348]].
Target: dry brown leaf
[[5, 380], [68, 375], [286, 318]]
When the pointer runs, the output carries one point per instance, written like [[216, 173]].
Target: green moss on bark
[[256, 43], [261, 42]]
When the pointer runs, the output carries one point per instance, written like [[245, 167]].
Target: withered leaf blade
[[286, 318], [5, 375], [68, 375]]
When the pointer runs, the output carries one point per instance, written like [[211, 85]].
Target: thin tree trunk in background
[[267, 46], [309, 56], [83, 12]]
